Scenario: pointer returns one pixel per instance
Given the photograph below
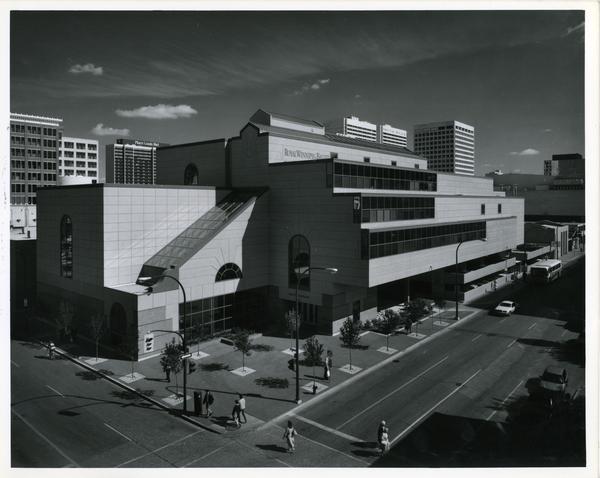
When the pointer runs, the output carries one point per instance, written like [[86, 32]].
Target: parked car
[[506, 307], [554, 381]]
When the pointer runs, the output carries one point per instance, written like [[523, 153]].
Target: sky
[[178, 77]]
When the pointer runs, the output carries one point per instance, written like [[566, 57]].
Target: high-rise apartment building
[[78, 159], [131, 161], [449, 146], [353, 127], [389, 135], [34, 150]]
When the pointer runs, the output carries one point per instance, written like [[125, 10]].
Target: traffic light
[[192, 366]]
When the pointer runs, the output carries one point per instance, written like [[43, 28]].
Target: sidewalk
[[267, 382]]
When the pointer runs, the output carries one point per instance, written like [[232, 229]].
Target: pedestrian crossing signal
[[148, 342], [192, 367]]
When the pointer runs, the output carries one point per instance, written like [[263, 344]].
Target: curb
[[130, 389], [371, 369]]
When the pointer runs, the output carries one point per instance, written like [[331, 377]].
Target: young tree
[[350, 335], [290, 321], [171, 359], [64, 318], [130, 345], [242, 342], [98, 328], [197, 326], [313, 351], [440, 303], [416, 309], [390, 321]]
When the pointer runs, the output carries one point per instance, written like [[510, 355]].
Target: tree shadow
[[68, 413], [277, 448], [538, 342], [129, 395], [214, 367], [96, 375], [272, 382], [572, 351], [262, 347]]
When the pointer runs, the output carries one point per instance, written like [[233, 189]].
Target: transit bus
[[545, 271]]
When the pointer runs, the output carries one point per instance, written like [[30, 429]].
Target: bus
[[545, 271]]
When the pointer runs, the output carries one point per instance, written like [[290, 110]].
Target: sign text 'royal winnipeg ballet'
[[299, 154]]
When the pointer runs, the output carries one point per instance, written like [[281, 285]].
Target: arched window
[[228, 271], [190, 176], [66, 247], [298, 260]]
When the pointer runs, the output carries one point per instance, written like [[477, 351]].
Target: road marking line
[[283, 463], [510, 345], [15, 363], [564, 332], [203, 457], [476, 338], [327, 429], [54, 390], [411, 426], [391, 393], [363, 333], [158, 449], [531, 326], [117, 431], [40, 434], [334, 449], [505, 399]]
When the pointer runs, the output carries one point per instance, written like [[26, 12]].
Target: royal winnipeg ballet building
[[234, 219]]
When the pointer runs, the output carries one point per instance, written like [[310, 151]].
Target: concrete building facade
[[289, 196], [34, 151], [131, 161], [449, 146], [78, 160]]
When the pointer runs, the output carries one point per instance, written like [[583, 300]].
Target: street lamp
[[145, 281], [456, 276], [299, 277]]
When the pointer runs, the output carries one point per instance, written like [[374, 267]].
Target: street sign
[[186, 356]]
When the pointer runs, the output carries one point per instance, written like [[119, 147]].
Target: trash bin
[[197, 403]]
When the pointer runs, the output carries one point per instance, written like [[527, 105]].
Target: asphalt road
[[447, 403], [464, 380]]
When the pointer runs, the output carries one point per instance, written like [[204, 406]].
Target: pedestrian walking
[[208, 402], [51, 348], [383, 439], [168, 372], [242, 401], [235, 413], [288, 435], [326, 371]]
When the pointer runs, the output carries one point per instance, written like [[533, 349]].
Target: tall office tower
[[131, 161], [353, 127], [548, 169], [449, 146], [389, 135], [78, 159], [34, 146]]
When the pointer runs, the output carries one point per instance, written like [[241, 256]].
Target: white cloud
[[516, 171], [547, 130], [100, 130], [357, 96], [159, 112], [314, 86], [87, 68], [525, 152]]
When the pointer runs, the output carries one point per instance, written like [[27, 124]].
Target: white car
[[506, 307]]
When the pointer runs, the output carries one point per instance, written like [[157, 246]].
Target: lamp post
[[456, 276], [299, 277], [141, 281]]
